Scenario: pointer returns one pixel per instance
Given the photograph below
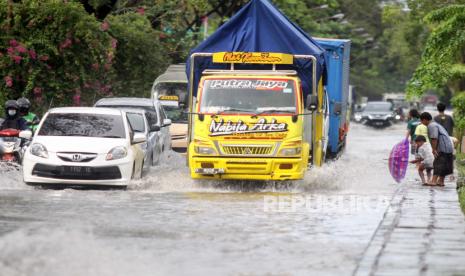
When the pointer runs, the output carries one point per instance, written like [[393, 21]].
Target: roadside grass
[[460, 161]]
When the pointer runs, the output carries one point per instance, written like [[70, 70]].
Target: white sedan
[[84, 146]]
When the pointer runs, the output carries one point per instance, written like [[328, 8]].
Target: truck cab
[[254, 125]]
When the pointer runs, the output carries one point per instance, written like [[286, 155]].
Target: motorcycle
[[10, 146]]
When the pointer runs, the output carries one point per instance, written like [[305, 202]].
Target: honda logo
[[77, 157]]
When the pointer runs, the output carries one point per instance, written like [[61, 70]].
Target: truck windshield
[[250, 95], [172, 89], [176, 114]]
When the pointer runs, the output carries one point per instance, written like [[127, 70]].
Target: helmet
[[24, 103], [11, 104]]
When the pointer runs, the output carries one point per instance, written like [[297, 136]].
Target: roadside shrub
[[52, 50]]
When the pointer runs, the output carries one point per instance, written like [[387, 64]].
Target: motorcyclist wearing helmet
[[31, 118], [13, 120]]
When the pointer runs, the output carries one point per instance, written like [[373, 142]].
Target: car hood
[[79, 144]]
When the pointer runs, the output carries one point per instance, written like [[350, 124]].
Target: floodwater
[[167, 224]]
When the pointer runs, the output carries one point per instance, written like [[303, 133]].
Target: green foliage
[[459, 110], [443, 49], [50, 49], [139, 57]]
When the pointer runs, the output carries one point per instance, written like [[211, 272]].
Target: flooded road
[[168, 224]]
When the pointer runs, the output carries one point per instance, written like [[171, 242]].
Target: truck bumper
[[202, 167]]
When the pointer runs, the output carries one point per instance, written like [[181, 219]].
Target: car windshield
[[83, 124], [150, 110], [176, 114], [136, 121], [378, 107], [248, 95]]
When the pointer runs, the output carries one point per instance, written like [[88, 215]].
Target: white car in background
[[158, 121], [84, 146]]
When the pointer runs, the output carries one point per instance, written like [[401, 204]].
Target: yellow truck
[[255, 124]]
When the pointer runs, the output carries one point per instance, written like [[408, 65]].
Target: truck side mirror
[[337, 108], [312, 102]]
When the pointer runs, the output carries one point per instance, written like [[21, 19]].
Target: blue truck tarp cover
[[260, 27]]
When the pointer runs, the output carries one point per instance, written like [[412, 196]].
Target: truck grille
[[250, 150]]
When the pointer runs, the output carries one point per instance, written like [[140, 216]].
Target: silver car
[[157, 123]]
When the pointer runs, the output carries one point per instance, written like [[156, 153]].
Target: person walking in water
[[443, 149], [444, 120], [414, 121]]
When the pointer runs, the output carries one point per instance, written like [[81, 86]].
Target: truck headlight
[[116, 153], [290, 151], [204, 150], [39, 150]]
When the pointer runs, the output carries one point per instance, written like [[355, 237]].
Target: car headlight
[[117, 153], [370, 117], [290, 151], [204, 150], [358, 116], [39, 150], [397, 117]]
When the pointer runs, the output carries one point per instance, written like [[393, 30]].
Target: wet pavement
[[422, 233], [168, 224]]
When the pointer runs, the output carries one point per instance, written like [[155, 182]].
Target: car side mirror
[[138, 138], [25, 134], [166, 122], [154, 128], [312, 102], [337, 109]]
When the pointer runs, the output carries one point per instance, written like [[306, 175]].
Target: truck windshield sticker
[[221, 128], [249, 84], [249, 57]]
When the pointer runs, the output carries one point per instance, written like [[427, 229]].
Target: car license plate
[[76, 170], [209, 171]]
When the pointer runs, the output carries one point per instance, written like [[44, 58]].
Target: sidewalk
[[422, 233]]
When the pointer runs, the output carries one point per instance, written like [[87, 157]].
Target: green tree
[[52, 50], [443, 58], [139, 58]]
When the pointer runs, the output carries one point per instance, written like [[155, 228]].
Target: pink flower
[[114, 43], [95, 66], [14, 43], [66, 43], [77, 99], [8, 81], [43, 58], [140, 10], [10, 51], [107, 66], [21, 49], [17, 59], [37, 90], [105, 26], [32, 54]]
